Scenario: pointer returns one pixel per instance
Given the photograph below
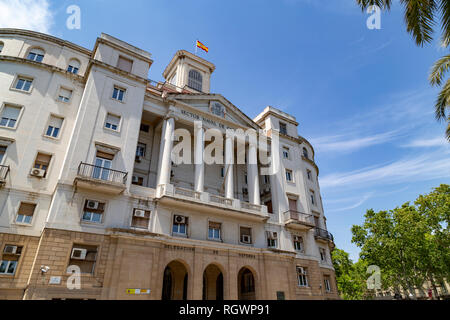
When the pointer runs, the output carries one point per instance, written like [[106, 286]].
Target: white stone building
[[87, 180]]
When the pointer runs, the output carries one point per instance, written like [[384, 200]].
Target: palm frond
[[448, 130], [440, 68], [419, 18], [444, 8], [383, 4], [443, 102]]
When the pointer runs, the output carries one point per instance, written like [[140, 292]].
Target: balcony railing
[[4, 170], [300, 217], [90, 171], [324, 234]]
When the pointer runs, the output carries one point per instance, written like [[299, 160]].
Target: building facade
[[93, 204]]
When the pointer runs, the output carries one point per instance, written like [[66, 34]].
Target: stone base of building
[[126, 261]]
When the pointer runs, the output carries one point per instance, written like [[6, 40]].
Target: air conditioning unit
[[93, 205], [78, 254], [139, 213], [246, 239], [180, 219], [10, 249], [37, 173]]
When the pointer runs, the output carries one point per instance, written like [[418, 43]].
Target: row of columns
[[165, 162]]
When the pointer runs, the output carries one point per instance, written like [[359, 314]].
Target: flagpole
[[196, 47]]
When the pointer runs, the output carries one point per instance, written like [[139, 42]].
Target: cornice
[[45, 37]]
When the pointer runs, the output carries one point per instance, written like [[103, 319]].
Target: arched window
[[195, 80], [1, 46], [305, 153], [74, 66], [36, 54]]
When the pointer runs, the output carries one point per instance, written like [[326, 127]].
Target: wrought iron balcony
[[4, 170], [323, 234], [101, 178], [298, 220]]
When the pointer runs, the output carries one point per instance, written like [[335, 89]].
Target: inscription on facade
[[204, 120], [247, 256], [178, 248]]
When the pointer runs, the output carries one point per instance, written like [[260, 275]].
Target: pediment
[[213, 104]]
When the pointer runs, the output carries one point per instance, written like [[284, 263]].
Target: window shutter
[[125, 64], [113, 119], [214, 225], [43, 158], [27, 209], [104, 155], [55, 122], [11, 112], [65, 93]]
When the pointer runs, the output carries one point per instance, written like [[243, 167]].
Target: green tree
[[350, 277], [410, 243], [421, 18]]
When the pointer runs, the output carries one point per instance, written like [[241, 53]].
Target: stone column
[[165, 165], [199, 145], [253, 175], [229, 160]]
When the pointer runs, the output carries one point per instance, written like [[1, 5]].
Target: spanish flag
[[202, 46]]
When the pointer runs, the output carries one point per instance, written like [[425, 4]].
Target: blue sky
[[361, 96]]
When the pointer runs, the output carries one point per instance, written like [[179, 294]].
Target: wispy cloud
[[26, 14], [421, 168], [359, 203], [424, 143], [346, 143]]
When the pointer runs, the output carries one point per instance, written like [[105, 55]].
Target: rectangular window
[[298, 244], [124, 64], [23, 84], [140, 150], [285, 152], [103, 165], [112, 122], [145, 128], [222, 172], [323, 255], [36, 55], [10, 115], [214, 231], [2, 153], [283, 128], [180, 225], [72, 69], [309, 173], [272, 239], [118, 94], [54, 126], [83, 256], [138, 181], [93, 211], [42, 162], [64, 95], [289, 176], [313, 197], [245, 235], [302, 277], [327, 282], [10, 259], [25, 213], [140, 219]]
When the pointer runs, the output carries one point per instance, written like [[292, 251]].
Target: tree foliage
[[411, 244]]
